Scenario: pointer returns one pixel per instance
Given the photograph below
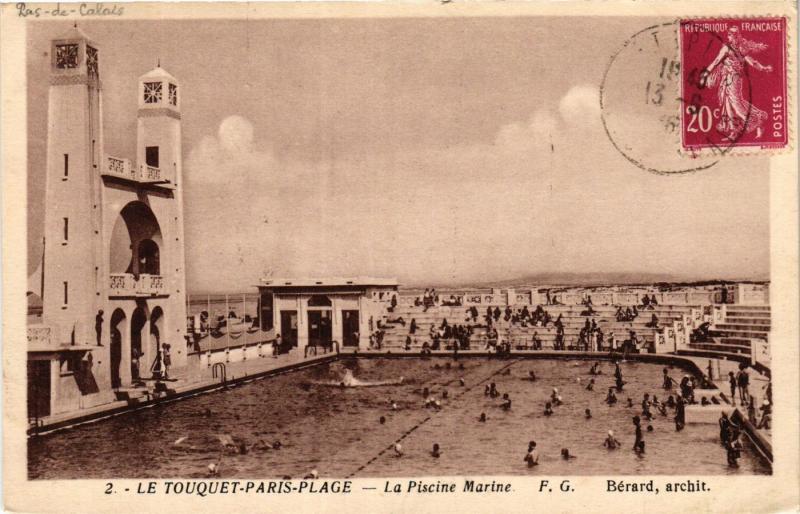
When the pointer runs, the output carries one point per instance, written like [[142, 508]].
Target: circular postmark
[[643, 102]]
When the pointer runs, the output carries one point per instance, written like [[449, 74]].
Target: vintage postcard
[[400, 257]]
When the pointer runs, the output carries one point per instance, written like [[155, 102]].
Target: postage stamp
[[395, 256], [733, 83]]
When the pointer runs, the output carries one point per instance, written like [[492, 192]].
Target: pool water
[[337, 430]]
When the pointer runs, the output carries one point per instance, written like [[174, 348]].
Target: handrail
[[218, 370]]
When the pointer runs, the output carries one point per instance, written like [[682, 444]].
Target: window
[[151, 156], [66, 229], [92, 65], [66, 165], [66, 293], [66, 56], [152, 92], [173, 94]]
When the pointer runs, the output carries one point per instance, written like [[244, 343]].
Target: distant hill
[[601, 279]]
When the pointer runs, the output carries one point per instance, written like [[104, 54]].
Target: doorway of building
[[138, 321], [350, 328], [289, 328], [115, 346], [38, 389], [319, 328]]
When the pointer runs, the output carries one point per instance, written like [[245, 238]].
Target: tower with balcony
[[143, 212], [113, 270]]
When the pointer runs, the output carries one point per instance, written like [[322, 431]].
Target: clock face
[[66, 56], [92, 66], [152, 92], [173, 94]]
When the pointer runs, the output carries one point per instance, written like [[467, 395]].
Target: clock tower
[[72, 232]]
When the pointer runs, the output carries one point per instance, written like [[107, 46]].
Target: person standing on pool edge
[[638, 443]]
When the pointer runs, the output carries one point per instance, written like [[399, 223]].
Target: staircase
[[741, 325]]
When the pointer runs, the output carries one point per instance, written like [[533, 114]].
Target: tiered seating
[[520, 336], [742, 324]]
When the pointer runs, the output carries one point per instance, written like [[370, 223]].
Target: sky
[[430, 150]]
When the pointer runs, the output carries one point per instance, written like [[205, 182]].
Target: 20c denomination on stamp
[[733, 83]]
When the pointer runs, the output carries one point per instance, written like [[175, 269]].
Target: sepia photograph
[[310, 250]]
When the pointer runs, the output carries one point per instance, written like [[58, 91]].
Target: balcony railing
[[144, 174], [125, 284], [150, 174], [39, 335], [120, 168]]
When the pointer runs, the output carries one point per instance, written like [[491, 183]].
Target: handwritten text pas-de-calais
[[84, 9]]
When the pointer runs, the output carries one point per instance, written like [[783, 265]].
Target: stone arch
[[140, 340], [136, 241], [118, 343]]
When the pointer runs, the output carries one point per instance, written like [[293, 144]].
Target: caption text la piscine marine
[[412, 486]]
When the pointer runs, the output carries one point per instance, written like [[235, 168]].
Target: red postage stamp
[[733, 87]]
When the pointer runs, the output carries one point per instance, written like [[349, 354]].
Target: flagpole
[[227, 321]]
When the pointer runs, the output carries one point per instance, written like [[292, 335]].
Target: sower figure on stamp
[[727, 72]]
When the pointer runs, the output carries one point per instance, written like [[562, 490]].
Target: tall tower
[[72, 218]]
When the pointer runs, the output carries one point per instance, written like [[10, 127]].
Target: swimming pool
[[337, 430]]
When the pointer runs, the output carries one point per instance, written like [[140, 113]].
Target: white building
[[316, 312], [114, 267]]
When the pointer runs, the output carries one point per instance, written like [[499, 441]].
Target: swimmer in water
[[398, 450], [558, 400], [590, 387], [531, 376], [311, 476], [588, 414], [435, 453], [493, 390], [649, 428], [532, 457], [630, 402], [611, 442], [671, 402], [426, 392], [667, 382], [646, 407], [554, 394], [444, 393], [565, 454], [487, 390], [506, 402], [461, 382], [611, 397], [548, 409], [382, 420], [482, 419]]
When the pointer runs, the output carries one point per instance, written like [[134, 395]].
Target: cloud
[[580, 105], [537, 132]]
